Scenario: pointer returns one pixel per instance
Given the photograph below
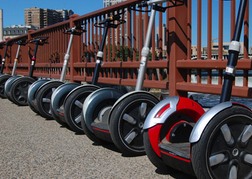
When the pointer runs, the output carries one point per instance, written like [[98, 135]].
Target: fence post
[[177, 45], [75, 50], [30, 50], [1, 51], [8, 60]]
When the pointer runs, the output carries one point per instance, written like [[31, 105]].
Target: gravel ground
[[33, 147]]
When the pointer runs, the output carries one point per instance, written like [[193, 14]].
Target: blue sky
[[14, 9], [215, 18], [14, 13]]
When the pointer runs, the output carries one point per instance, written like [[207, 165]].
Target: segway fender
[[50, 82], [126, 96], [200, 126], [4, 76], [152, 120], [33, 89], [83, 86], [165, 108], [24, 78], [97, 97], [61, 91], [8, 84]]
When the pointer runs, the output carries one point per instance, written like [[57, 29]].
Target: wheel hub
[[103, 114], [140, 125], [180, 132], [235, 152]]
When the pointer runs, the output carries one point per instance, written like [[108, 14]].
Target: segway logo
[[162, 110]]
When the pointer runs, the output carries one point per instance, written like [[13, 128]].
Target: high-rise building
[[44, 17], [1, 24], [107, 3], [15, 30]]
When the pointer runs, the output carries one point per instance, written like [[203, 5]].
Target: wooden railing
[[172, 69]]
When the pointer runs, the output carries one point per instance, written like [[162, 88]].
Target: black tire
[[176, 129], [73, 107], [57, 103], [19, 90], [152, 156], [43, 98], [217, 154], [89, 133], [99, 104], [31, 94], [8, 85], [3, 79], [120, 128]]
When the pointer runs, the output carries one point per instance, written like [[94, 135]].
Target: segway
[[120, 120], [17, 93], [70, 112], [40, 92], [1, 47], [217, 144], [5, 77]]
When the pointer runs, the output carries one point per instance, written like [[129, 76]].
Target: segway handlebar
[[146, 3], [39, 40], [112, 21], [21, 42], [76, 30]]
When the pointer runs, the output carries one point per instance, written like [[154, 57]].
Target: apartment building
[[41, 18], [107, 3], [16, 30]]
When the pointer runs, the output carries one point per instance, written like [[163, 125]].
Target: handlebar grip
[[75, 31], [142, 4], [116, 17], [21, 42], [9, 43], [39, 40]]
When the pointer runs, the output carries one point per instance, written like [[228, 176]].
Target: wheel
[[57, 101], [19, 90], [3, 79], [171, 122], [126, 122], [8, 85], [89, 133], [153, 157], [176, 129], [31, 94], [43, 98], [225, 147], [73, 106], [96, 109]]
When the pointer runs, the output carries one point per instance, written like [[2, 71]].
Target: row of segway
[[15, 87], [54, 99], [174, 133], [63, 101]]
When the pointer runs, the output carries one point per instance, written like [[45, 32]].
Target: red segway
[[178, 133]]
